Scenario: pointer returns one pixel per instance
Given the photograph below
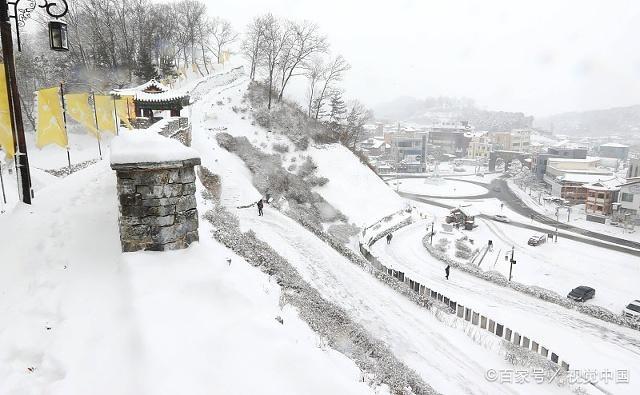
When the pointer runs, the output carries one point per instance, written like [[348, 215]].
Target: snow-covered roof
[[614, 145], [147, 146], [611, 184], [582, 178], [468, 210], [141, 88], [159, 97], [586, 160]]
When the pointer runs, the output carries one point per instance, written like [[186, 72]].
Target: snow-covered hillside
[[448, 358], [353, 188], [79, 317]]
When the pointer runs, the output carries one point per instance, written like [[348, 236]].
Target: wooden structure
[[463, 216], [155, 96]]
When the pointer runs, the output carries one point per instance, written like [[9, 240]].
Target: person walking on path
[[260, 205], [389, 237], [446, 272]]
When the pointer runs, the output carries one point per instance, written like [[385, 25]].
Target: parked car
[[537, 240], [501, 218], [632, 310], [582, 293]]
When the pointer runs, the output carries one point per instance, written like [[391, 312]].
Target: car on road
[[582, 293], [497, 189], [537, 240], [632, 310], [501, 218]]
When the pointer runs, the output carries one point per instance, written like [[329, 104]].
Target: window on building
[[627, 197]]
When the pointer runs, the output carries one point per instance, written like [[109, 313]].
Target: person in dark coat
[[260, 205], [446, 271], [389, 237]]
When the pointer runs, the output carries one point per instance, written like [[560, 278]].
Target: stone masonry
[[157, 205]]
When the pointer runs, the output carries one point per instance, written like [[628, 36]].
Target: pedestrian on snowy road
[[260, 205], [446, 271], [389, 237]]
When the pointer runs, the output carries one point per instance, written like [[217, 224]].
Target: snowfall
[[77, 316]]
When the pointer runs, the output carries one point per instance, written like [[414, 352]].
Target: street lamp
[[58, 37]]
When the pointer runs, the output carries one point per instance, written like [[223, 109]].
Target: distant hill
[[436, 109], [617, 120]]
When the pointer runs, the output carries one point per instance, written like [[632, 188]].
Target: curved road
[[499, 189], [585, 342]]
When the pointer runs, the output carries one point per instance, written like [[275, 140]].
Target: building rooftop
[[611, 184], [614, 145]]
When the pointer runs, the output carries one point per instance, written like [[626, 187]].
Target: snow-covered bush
[[442, 245], [269, 176], [463, 250], [286, 117], [307, 168], [280, 147], [343, 232]]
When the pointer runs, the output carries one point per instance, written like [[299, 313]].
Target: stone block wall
[[158, 208]]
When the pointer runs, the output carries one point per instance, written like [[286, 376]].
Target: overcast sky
[[538, 56]]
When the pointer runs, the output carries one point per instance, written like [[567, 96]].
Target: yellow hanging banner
[[105, 112], [78, 108], [131, 106], [50, 128], [122, 110], [6, 131]]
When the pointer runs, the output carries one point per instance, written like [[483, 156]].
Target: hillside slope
[[79, 317], [449, 359]]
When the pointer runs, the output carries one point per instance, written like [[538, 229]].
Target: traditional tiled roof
[[142, 88]]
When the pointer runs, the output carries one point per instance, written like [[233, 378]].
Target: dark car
[[537, 240], [582, 293]]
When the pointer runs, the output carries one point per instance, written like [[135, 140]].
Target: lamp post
[[57, 41], [512, 262]]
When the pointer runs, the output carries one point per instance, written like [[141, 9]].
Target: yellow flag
[[104, 110], [79, 109], [50, 123], [6, 131], [123, 111]]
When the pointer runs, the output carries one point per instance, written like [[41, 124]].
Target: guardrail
[[466, 313]]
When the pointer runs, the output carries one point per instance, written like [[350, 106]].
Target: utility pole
[[556, 239], [432, 225], [15, 111], [512, 262]]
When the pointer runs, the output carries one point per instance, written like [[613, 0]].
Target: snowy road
[[585, 342], [445, 357]]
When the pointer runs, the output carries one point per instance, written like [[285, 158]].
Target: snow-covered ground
[[353, 188], [585, 342], [79, 317], [559, 266], [437, 187]]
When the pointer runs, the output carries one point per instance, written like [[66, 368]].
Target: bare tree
[[223, 35], [314, 72], [252, 43], [304, 41], [273, 44], [357, 117], [333, 73]]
